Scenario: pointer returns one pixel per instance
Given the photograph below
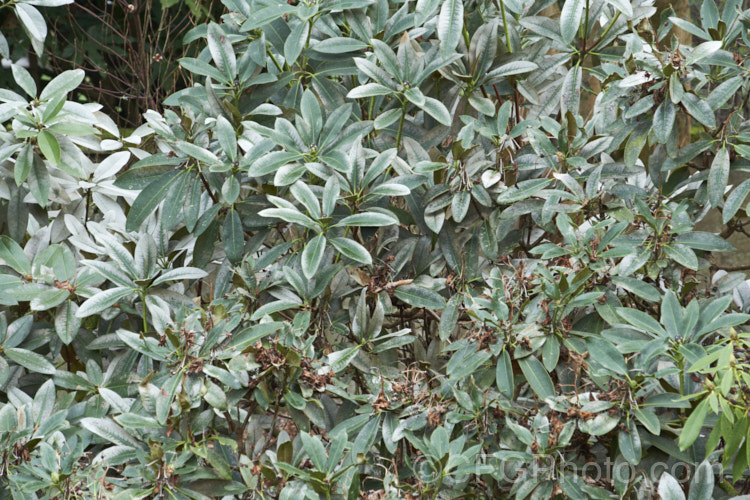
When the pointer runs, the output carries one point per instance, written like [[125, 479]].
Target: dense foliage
[[431, 249]]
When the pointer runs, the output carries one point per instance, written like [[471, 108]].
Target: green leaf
[[32, 20], [570, 95], [221, 51], [341, 359], [669, 488], [682, 255], [641, 320], [339, 45], [721, 94], [702, 484], [227, 137], [460, 205], [30, 360], [109, 430], [437, 109], [638, 287], [504, 375], [102, 301], [449, 25], [570, 19], [49, 146], [24, 80], [197, 152], [148, 199], [671, 315], [419, 296], [291, 215], [250, 336], [352, 249], [629, 442], [604, 353], [735, 200], [718, 177], [202, 68], [12, 254], [700, 240], [23, 164], [635, 144], [693, 425], [295, 42], [49, 298], [304, 195], [537, 377], [312, 255], [512, 68], [649, 420], [233, 237], [699, 109], [315, 450], [368, 219], [664, 118], [448, 319], [179, 273], [39, 181], [111, 272], [371, 89], [67, 323], [62, 84], [702, 51]]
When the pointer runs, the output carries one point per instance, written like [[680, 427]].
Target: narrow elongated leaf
[[32, 20], [448, 319], [12, 254], [437, 110], [233, 237], [693, 425], [39, 180], [570, 96], [702, 51], [604, 353], [504, 375], [718, 177], [339, 45], [537, 377], [664, 118], [24, 80], [49, 146], [368, 219], [352, 249], [30, 360], [735, 200], [67, 323], [641, 320], [62, 84], [251, 335], [570, 19], [102, 301], [109, 430], [221, 51], [669, 488], [419, 296], [449, 25], [699, 109], [702, 484], [180, 273], [460, 205], [312, 255], [147, 201], [630, 443], [701, 240]]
